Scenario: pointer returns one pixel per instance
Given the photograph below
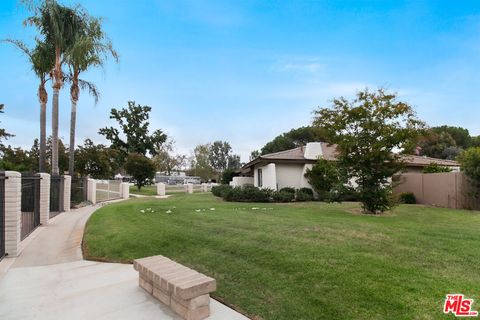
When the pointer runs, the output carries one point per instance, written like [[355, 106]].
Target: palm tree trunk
[[55, 169], [73, 118], [43, 135]]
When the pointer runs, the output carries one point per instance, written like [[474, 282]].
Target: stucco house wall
[[289, 175], [269, 176]]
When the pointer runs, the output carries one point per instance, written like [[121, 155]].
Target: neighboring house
[[287, 168]]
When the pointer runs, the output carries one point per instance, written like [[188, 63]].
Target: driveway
[[50, 280]]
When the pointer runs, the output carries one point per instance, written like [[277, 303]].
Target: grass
[[304, 260], [146, 191]]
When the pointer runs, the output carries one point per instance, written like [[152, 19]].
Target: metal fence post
[[13, 213], [44, 198]]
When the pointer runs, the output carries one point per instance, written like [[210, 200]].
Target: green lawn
[[305, 260], [146, 191]]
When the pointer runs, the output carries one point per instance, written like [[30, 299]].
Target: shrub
[[247, 194], [306, 190], [350, 194], [283, 196], [407, 198], [326, 178], [288, 190], [304, 194], [435, 168], [221, 190]]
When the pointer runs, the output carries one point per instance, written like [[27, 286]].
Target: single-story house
[[287, 168]]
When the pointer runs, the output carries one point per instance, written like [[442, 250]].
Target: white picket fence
[[105, 190]]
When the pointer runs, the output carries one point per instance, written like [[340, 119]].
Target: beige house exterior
[[287, 168]]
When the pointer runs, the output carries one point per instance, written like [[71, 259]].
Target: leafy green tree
[[15, 159], [234, 162], [42, 60], [435, 168], [254, 155], [460, 135], [295, 138], [219, 154], [141, 168], [3, 133], [58, 26], [134, 125], [200, 162], [96, 161], [367, 130], [90, 49], [166, 160], [438, 145], [470, 165]]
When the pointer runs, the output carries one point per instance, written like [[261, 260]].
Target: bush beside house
[[254, 194]]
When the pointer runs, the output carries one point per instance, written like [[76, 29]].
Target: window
[[259, 177]]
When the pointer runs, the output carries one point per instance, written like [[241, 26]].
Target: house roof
[[297, 155], [422, 161]]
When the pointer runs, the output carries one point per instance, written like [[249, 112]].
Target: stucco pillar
[[189, 188], [67, 189], [13, 215], [204, 187], [92, 191], [160, 189], [44, 198], [125, 189]]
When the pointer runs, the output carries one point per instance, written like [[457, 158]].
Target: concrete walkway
[[50, 280]]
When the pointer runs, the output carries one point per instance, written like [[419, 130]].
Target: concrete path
[[50, 280]]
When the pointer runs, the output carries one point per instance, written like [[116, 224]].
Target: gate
[[78, 191], [56, 195], [2, 215], [30, 203]]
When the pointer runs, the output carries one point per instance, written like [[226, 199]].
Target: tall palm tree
[[58, 25], [42, 61], [90, 49]]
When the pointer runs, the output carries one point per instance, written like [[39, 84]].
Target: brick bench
[[186, 291]]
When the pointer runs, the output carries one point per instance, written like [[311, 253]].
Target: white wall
[[269, 177], [241, 181], [289, 175]]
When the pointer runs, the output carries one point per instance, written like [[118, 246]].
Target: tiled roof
[[292, 154], [421, 161], [329, 151]]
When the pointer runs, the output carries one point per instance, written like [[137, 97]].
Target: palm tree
[[90, 49], [42, 60], [58, 25]]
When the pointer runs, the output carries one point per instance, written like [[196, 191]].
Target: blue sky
[[245, 71]]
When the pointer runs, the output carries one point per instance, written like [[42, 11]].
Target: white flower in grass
[[212, 209], [142, 211], [255, 208], [197, 210], [168, 211]]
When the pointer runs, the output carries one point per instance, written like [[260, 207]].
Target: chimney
[[313, 150]]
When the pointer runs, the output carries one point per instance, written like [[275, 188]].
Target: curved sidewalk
[[50, 280]]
